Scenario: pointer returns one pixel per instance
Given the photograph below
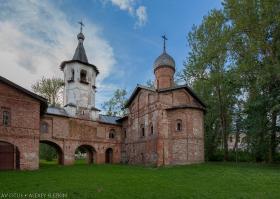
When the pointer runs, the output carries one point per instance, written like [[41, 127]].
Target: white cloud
[[35, 37], [139, 12], [142, 16], [124, 4]]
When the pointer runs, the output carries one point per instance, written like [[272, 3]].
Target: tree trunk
[[273, 145], [223, 125]]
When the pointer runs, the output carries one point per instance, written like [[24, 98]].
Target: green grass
[[209, 180]]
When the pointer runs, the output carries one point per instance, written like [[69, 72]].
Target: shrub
[[239, 156]]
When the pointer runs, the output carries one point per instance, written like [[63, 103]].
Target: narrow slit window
[[72, 74], [152, 129], [142, 131], [6, 118], [124, 133], [179, 125]]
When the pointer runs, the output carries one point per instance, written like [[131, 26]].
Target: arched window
[[83, 76], [142, 130], [112, 134], [44, 127], [178, 125]]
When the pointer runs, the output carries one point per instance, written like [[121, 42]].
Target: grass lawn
[[209, 180]]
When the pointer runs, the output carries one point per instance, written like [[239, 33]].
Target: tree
[[116, 105], [234, 65], [255, 43], [150, 83], [49, 88], [209, 72], [47, 152]]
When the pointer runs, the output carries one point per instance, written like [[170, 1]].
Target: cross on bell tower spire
[[164, 40], [82, 24]]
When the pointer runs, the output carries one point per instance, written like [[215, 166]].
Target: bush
[[277, 157], [218, 155], [239, 156], [47, 152]]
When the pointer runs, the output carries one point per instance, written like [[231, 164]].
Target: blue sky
[[123, 37]]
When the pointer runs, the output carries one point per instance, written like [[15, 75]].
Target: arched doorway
[[50, 152], [109, 156], [9, 156], [85, 154]]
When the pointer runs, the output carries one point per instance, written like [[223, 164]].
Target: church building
[[164, 124]]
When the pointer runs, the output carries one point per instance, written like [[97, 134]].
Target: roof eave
[[134, 93], [187, 89], [187, 107], [43, 101], [62, 65]]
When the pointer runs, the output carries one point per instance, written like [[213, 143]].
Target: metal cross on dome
[[82, 24], [164, 39]]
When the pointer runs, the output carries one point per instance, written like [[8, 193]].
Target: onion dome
[[164, 59]]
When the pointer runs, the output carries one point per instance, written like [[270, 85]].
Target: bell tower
[[164, 69], [79, 82]]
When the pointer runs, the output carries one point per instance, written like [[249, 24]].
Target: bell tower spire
[[80, 53]]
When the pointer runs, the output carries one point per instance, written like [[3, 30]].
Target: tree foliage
[[116, 105], [150, 83], [47, 152], [49, 88], [234, 66]]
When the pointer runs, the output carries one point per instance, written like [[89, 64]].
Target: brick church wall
[[139, 149], [165, 146], [187, 145]]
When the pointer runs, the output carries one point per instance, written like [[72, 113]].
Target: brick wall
[[165, 146], [70, 133], [23, 130]]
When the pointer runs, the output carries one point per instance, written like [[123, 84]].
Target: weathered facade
[[164, 124], [19, 126]]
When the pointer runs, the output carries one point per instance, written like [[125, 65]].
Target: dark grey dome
[[164, 60], [81, 36]]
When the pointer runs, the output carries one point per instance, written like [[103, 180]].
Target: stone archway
[[58, 149], [90, 153], [109, 156], [9, 156]]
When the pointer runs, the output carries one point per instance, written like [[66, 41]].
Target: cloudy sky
[[123, 37]]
